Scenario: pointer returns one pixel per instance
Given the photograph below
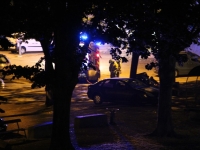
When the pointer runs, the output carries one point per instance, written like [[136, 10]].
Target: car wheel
[[176, 73], [23, 50], [97, 99]]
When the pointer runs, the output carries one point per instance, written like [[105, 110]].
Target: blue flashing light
[[98, 43], [83, 36]]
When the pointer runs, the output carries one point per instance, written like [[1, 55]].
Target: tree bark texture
[[167, 75]]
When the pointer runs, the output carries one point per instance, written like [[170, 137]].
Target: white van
[[30, 45]]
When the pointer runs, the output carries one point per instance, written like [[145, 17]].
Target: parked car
[[4, 61], [188, 68], [122, 90], [30, 45]]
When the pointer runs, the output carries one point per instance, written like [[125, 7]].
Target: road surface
[[31, 58]]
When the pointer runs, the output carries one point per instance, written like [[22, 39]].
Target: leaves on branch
[[35, 74], [151, 65]]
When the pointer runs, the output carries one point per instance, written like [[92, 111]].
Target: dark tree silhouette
[[40, 19], [165, 26], [161, 27]]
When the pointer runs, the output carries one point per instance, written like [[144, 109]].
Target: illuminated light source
[[81, 44], [83, 36], [98, 43]]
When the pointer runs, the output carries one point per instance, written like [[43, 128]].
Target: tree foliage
[[164, 27], [39, 19], [161, 27]]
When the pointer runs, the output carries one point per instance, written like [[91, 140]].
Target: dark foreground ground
[[133, 123]]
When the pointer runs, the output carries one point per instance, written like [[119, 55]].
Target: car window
[[137, 84], [100, 83], [194, 57], [191, 56], [108, 83], [120, 84], [3, 59]]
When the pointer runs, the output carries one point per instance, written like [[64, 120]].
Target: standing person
[[94, 49], [119, 67], [113, 68]]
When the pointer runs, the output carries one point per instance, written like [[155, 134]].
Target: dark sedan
[[122, 90]]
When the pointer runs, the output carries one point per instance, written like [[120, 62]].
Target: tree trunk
[[67, 24], [134, 65], [48, 68], [66, 80], [166, 74]]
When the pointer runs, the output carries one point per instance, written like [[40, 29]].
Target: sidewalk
[[29, 106], [29, 119], [132, 123]]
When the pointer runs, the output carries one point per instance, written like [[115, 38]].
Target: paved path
[[29, 106]]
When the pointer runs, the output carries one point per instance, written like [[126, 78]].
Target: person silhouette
[[113, 68]]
